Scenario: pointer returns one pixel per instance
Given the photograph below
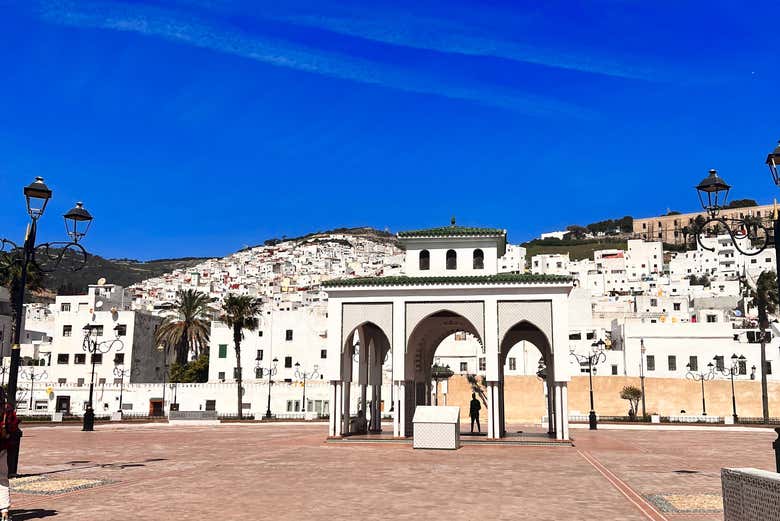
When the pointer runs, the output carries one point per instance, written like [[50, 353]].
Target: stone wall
[[750, 495], [525, 401]]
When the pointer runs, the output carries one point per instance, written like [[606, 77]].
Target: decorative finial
[[452, 221]]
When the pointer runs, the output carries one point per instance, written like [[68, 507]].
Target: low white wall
[[750, 495]]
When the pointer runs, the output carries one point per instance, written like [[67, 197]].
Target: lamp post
[[595, 356], [95, 347], [701, 377], [29, 375], [642, 374], [261, 372], [120, 372], [301, 374], [713, 192], [45, 257], [731, 371]]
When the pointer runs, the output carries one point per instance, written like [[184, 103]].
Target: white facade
[[550, 264]]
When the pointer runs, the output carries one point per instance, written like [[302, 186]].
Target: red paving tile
[[288, 472]]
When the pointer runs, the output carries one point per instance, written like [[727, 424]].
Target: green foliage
[[633, 395], [196, 371], [704, 280], [673, 212], [240, 312], [576, 249], [188, 331], [765, 297], [742, 203], [576, 231], [624, 224], [478, 386], [441, 372]]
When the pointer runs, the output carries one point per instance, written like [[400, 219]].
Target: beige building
[[668, 228]]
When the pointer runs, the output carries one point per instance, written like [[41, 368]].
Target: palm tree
[[765, 297], [240, 312], [188, 330]]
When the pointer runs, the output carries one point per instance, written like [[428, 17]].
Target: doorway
[[62, 405], [156, 407]]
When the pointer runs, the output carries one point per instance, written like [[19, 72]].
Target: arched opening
[[446, 340], [452, 260], [478, 259], [425, 260], [525, 377], [366, 361]]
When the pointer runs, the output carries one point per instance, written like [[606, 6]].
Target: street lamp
[[120, 372], [94, 347], [595, 356], [736, 363], [301, 374], [701, 377], [642, 374], [46, 257], [261, 372], [30, 375]]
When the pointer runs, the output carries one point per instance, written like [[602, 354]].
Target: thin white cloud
[[177, 26]]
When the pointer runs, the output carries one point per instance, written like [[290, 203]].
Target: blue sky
[[193, 127]]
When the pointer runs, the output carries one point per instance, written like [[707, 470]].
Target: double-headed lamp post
[[736, 363], [270, 372], [120, 372], [301, 374], [45, 257], [595, 356], [30, 375], [701, 377], [93, 346]]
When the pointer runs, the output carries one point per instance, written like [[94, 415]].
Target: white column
[[396, 411], [496, 410], [565, 408], [490, 407], [337, 407], [558, 412], [402, 408], [345, 406]]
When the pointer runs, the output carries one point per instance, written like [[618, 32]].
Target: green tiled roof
[[453, 231], [501, 278]]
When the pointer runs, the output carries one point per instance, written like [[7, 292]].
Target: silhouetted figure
[[9, 436], [474, 409]]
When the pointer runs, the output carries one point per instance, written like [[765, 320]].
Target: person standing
[[9, 431], [474, 409]]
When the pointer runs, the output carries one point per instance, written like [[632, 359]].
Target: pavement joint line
[[624, 488]]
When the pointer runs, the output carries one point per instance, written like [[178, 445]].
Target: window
[[211, 405], [712, 318], [63, 358], [97, 358], [452, 260], [288, 335], [101, 381], [119, 359], [650, 362], [288, 361], [614, 369], [236, 373], [482, 364], [117, 381], [590, 335], [672, 362], [575, 336], [80, 358], [65, 306], [98, 330], [425, 260], [653, 302], [742, 367], [61, 381], [323, 353], [260, 333], [464, 367], [479, 259], [293, 406], [768, 367], [223, 350], [67, 330], [693, 363], [513, 364], [259, 354], [221, 376], [121, 330], [460, 336], [258, 372], [719, 365], [676, 306], [80, 382]]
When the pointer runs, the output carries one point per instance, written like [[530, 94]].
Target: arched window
[[425, 260], [479, 259], [452, 260]]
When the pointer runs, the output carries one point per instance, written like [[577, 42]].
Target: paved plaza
[[289, 472]]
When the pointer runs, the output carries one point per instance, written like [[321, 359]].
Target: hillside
[[577, 249]]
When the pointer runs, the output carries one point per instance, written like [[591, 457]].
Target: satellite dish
[[101, 281], [98, 304]]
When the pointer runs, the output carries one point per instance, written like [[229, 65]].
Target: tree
[[633, 395], [196, 371], [576, 231], [478, 386], [187, 331], [742, 203], [765, 298], [240, 312]]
